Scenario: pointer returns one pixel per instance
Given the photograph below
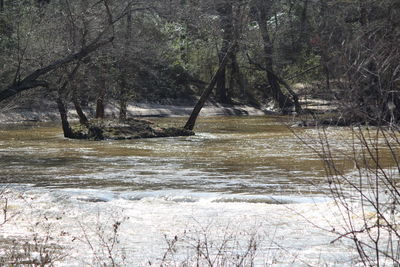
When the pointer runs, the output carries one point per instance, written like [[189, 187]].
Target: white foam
[[155, 214]]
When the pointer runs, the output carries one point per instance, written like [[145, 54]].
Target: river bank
[[46, 111]]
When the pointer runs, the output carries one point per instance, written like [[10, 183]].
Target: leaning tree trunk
[[71, 76], [62, 109], [82, 117], [205, 95]]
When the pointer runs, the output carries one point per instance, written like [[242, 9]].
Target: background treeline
[[88, 52]]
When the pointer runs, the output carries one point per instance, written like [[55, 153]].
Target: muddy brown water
[[252, 155], [235, 155]]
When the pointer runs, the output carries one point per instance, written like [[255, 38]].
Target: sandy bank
[[47, 111]]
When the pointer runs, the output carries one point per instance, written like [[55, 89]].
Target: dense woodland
[[89, 52]]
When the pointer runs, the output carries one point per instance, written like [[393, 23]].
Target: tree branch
[[31, 81]]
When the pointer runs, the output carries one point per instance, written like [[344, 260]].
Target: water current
[[237, 179]]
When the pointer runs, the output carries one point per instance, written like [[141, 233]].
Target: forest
[[91, 52], [293, 161]]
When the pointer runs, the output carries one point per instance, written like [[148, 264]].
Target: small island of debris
[[128, 129]]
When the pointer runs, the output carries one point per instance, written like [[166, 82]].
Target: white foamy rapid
[[78, 220]]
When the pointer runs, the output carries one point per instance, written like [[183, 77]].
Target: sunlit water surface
[[249, 176]]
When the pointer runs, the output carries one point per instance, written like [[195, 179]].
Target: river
[[239, 182]]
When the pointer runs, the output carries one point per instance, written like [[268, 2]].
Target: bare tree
[[261, 10]]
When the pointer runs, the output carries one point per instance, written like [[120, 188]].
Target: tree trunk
[[291, 92], [71, 80], [82, 117], [327, 76], [101, 96], [205, 95], [62, 109], [282, 100], [221, 92], [225, 11], [122, 110], [123, 95], [236, 74], [236, 77], [276, 79], [303, 24], [100, 103], [324, 53]]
